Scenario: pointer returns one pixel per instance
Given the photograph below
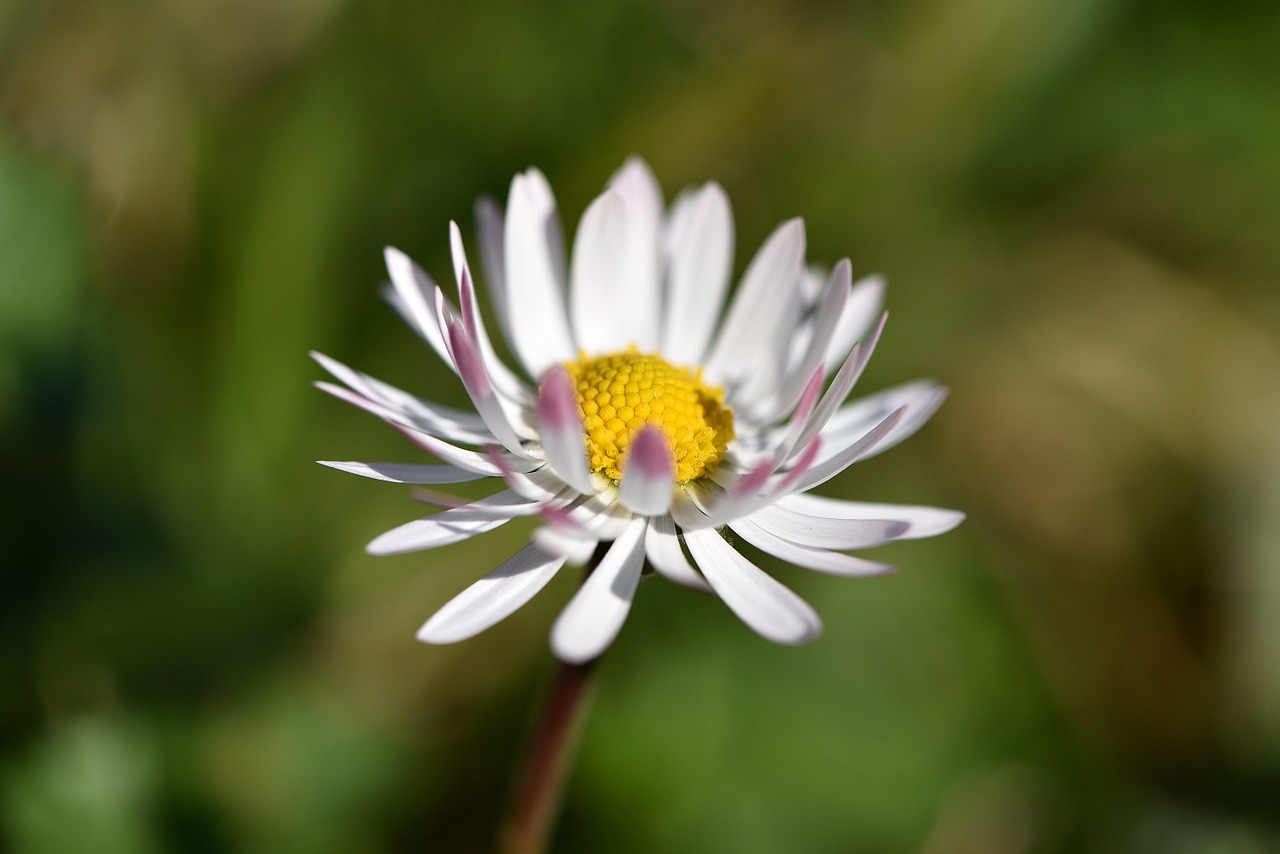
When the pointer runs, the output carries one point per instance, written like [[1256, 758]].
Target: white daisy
[[647, 419]]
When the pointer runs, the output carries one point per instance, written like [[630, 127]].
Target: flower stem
[[537, 803]]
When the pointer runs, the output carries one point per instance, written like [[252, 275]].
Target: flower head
[[647, 417]]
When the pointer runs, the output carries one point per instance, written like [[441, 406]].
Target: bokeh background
[[1078, 208]]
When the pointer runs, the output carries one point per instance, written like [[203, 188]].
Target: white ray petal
[[818, 560], [535, 289], [700, 248], [455, 425], [856, 319], [405, 472], [454, 525], [640, 299], [492, 598], [450, 453], [824, 532], [512, 388], [921, 399], [412, 287], [769, 608], [920, 521], [829, 313], [597, 279], [766, 297], [662, 546], [648, 478], [595, 615], [560, 425], [832, 464], [573, 545], [489, 223], [841, 385], [476, 379]]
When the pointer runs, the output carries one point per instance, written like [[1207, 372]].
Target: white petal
[[921, 399], [920, 521], [856, 319], [596, 280], [489, 222], [411, 287], [506, 382], [766, 297], [456, 425], [535, 290], [594, 617], [700, 245], [492, 598], [828, 315], [662, 546], [560, 425], [823, 532], [405, 472], [819, 560], [476, 379], [640, 301], [576, 548], [460, 457], [648, 479], [835, 394], [769, 608], [830, 466], [453, 526]]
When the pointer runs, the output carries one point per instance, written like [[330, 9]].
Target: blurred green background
[[1078, 208]]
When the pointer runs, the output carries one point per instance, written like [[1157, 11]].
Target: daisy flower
[[645, 416]]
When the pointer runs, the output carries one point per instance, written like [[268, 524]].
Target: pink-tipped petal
[[476, 379], [648, 480], [560, 423]]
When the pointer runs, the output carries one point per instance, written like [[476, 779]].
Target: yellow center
[[621, 392]]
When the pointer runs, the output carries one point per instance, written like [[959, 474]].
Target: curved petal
[[769, 608], [828, 467], [456, 425], [409, 295], [819, 560], [504, 380], [856, 319], [596, 613], [921, 400], [453, 526], [648, 479], [700, 248], [824, 532], [828, 315], [560, 423], [406, 472], [489, 221], [492, 598], [920, 521], [662, 546], [839, 389], [763, 302], [535, 289], [476, 379]]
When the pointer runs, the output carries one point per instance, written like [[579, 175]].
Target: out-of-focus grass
[[1076, 205]]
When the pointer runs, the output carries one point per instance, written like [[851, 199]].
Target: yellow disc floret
[[621, 392]]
